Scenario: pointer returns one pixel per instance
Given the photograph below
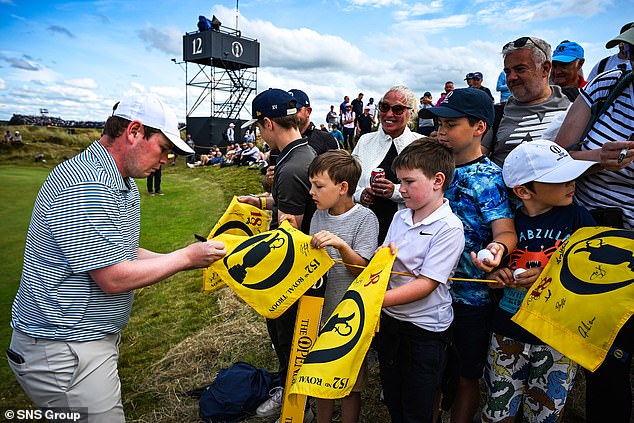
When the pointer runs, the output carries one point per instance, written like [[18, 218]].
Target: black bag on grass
[[236, 393]]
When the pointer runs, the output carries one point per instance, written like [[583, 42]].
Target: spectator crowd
[[473, 196]]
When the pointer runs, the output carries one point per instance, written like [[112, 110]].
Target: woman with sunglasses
[[609, 194], [378, 150]]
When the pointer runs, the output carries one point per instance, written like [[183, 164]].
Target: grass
[[20, 187], [165, 314], [178, 337]]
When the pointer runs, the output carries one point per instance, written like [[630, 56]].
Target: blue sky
[[76, 58]]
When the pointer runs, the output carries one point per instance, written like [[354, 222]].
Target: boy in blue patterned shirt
[[477, 195]]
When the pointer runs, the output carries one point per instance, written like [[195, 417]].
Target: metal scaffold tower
[[220, 76]]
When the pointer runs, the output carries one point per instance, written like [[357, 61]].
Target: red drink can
[[376, 173]]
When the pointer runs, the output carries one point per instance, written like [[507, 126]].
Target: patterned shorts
[[534, 377]]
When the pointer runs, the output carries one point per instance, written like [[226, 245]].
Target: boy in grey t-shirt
[[349, 232]]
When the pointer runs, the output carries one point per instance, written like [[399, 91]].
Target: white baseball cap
[[151, 111], [541, 161]]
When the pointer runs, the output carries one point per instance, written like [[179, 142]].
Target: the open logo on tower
[[237, 49]]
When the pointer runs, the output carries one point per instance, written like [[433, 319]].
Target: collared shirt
[[86, 217], [429, 248], [291, 185], [371, 149], [478, 196]]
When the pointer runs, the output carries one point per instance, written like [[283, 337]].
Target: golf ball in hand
[[485, 254], [517, 272]]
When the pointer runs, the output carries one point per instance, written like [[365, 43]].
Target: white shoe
[[190, 165], [273, 405], [309, 416]]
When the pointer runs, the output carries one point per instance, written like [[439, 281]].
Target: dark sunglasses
[[397, 109], [521, 42]]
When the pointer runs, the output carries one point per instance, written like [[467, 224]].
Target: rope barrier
[[411, 274]]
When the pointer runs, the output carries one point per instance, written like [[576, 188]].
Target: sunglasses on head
[[521, 42], [397, 109]]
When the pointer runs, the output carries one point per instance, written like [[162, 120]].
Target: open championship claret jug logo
[[239, 219], [331, 367], [584, 295], [341, 332], [271, 270], [588, 262], [256, 251]]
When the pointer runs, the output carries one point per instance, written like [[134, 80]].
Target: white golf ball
[[485, 254], [517, 272]]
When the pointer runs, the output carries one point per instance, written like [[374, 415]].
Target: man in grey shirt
[[533, 103]]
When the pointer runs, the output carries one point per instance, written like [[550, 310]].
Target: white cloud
[[168, 39], [418, 9], [3, 84], [40, 76], [22, 63], [87, 83], [510, 15], [375, 3], [434, 25], [173, 93], [298, 49]]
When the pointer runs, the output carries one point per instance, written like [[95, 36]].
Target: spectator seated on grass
[[249, 155], [217, 158], [205, 159], [232, 154], [17, 138]]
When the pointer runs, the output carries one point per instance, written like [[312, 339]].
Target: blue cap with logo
[[469, 76], [477, 75], [271, 103], [567, 51], [301, 97], [463, 102]]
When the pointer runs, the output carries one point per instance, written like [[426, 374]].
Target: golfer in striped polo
[[82, 262]]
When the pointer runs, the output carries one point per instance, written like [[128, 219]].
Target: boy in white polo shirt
[[417, 310]]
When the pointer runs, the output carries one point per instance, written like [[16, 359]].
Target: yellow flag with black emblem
[[331, 367], [584, 295], [271, 270], [239, 219]]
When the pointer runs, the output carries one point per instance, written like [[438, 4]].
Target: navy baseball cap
[[301, 97], [477, 75], [469, 76], [271, 103], [463, 102], [567, 51]]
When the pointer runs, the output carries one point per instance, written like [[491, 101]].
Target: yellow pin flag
[[584, 295], [271, 270], [239, 219], [331, 368]]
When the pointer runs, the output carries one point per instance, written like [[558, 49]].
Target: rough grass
[[178, 337]]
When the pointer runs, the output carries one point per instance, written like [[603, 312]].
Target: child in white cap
[[542, 175]]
